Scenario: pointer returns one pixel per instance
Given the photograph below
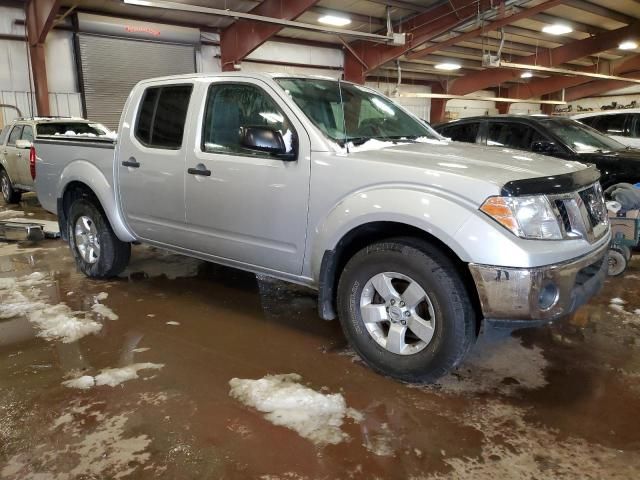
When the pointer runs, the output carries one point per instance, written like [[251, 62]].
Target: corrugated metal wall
[[112, 66]]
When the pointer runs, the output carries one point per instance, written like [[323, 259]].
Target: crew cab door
[[151, 163], [22, 155], [244, 205]]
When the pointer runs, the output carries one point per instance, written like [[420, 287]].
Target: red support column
[[40, 16], [438, 107]]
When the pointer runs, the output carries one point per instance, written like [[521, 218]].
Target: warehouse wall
[[15, 87], [596, 103], [421, 107]]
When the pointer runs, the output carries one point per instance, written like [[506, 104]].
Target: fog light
[[548, 296]]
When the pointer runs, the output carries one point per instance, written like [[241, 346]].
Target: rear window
[[162, 116], [73, 129], [466, 132]]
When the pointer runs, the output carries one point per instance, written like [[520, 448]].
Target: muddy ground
[[130, 378]]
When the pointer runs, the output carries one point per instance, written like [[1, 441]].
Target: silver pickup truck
[[410, 240]]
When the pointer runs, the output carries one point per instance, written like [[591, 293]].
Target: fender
[[435, 213], [87, 173]]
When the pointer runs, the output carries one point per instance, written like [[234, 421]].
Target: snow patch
[[285, 402], [617, 307], [173, 323], [617, 301], [104, 311], [102, 296], [111, 376], [83, 383]]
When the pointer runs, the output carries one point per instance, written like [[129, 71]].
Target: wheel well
[[72, 192], [334, 261]]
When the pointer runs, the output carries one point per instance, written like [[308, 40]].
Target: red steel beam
[[521, 15], [598, 87], [40, 16], [244, 36], [419, 29], [537, 88], [547, 57]]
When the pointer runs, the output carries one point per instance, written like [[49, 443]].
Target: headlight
[[527, 217]]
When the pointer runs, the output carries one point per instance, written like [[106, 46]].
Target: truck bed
[[54, 154]]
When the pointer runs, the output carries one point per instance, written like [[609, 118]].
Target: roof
[[618, 111]]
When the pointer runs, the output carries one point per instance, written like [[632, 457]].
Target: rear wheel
[[96, 249], [405, 309], [9, 194]]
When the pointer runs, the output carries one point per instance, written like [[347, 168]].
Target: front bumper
[[539, 294]]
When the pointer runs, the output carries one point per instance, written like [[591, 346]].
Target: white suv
[[622, 125], [17, 154]]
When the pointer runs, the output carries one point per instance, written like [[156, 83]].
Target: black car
[[555, 136]]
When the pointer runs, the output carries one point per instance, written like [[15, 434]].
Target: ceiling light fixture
[[526, 75], [447, 66], [557, 29], [628, 45], [334, 20]]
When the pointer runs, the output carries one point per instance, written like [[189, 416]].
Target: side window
[[591, 121], [612, 124], [466, 132], [635, 127], [510, 135], [232, 106], [27, 133], [162, 116], [4, 133], [14, 135]]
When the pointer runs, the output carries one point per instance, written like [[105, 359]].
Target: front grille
[[582, 214], [594, 204]]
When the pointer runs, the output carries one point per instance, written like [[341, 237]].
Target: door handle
[[131, 163], [199, 171]]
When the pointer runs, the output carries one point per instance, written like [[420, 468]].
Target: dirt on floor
[[181, 369]]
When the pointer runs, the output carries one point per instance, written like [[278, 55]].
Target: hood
[[496, 166]]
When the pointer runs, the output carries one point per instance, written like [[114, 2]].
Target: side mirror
[[264, 139], [24, 144], [545, 147]]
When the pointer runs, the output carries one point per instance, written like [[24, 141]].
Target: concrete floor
[[561, 402]]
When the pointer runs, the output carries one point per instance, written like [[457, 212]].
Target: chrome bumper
[[542, 293]]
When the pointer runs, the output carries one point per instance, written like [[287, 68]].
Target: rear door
[[252, 206], [10, 153], [634, 131], [151, 164], [616, 125]]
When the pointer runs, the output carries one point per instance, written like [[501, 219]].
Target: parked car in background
[[17, 155], [409, 239], [559, 137], [622, 125]]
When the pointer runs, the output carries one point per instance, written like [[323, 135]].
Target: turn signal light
[[497, 208]]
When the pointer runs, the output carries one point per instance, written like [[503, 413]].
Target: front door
[[250, 206], [151, 165], [10, 153], [24, 170]]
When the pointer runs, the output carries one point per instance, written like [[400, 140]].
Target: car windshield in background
[[368, 115], [72, 129], [581, 138]]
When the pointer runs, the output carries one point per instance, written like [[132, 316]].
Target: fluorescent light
[[334, 20], [448, 66], [526, 75], [557, 29], [628, 45], [143, 3]]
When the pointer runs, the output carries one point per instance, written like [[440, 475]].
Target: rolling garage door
[[111, 66]]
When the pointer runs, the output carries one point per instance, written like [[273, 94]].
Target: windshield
[[71, 129], [368, 114], [581, 138]]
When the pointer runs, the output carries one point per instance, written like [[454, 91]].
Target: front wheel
[[96, 249], [9, 194], [405, 309]]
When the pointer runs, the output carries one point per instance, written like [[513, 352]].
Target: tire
[[617, 262], [9, 194], [626, 251], [446, 320], [95, 248]]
